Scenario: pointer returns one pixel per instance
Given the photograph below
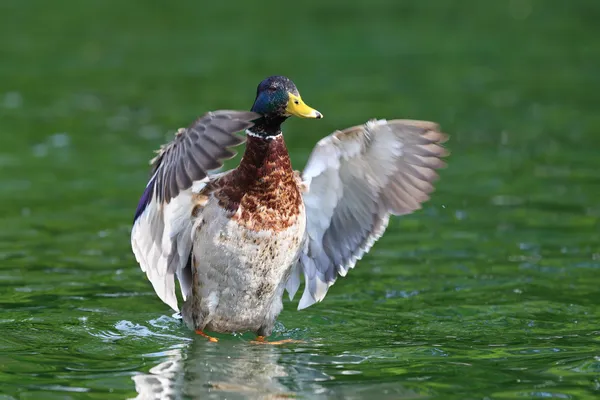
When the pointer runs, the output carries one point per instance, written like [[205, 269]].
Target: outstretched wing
[[161, 236], [356, 178]]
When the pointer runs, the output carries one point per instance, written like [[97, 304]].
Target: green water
[[490, 292]]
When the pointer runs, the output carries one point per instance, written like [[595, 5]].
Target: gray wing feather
[[161, 237], [356, 179], [201, 147]]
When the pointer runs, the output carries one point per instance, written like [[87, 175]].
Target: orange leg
[[210, 338], [263, 340]]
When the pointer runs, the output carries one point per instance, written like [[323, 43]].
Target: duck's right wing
[[161, 236]]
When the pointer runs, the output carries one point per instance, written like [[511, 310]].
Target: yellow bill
[[298, 108]]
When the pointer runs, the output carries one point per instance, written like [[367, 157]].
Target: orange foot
[[263, 340], [210, 338]]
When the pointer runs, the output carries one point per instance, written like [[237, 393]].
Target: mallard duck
[[237, 239]]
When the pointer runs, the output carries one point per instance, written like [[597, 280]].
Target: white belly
[[239, 273]]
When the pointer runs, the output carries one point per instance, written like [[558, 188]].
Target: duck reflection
[[235, 369]]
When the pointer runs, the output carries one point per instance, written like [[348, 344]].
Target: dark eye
[[272, 89]]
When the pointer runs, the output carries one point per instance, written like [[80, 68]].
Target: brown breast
[[262, 193]]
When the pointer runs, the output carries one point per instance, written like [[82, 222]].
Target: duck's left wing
[[356, 178]]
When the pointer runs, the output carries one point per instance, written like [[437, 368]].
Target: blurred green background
[[490, 292]]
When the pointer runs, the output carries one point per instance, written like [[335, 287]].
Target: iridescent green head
[[277, 98]]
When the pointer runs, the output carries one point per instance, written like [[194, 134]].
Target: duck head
[[277, 99]]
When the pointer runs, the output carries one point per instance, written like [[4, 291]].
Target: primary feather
[[161, 237], [356, 178]]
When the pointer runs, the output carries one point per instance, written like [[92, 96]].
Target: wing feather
[[161, 237], [356, 179]]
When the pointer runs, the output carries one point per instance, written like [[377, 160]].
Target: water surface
[[490, 292]]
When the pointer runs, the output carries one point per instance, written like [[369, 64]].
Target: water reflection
[[163, 380], [236, 369]]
